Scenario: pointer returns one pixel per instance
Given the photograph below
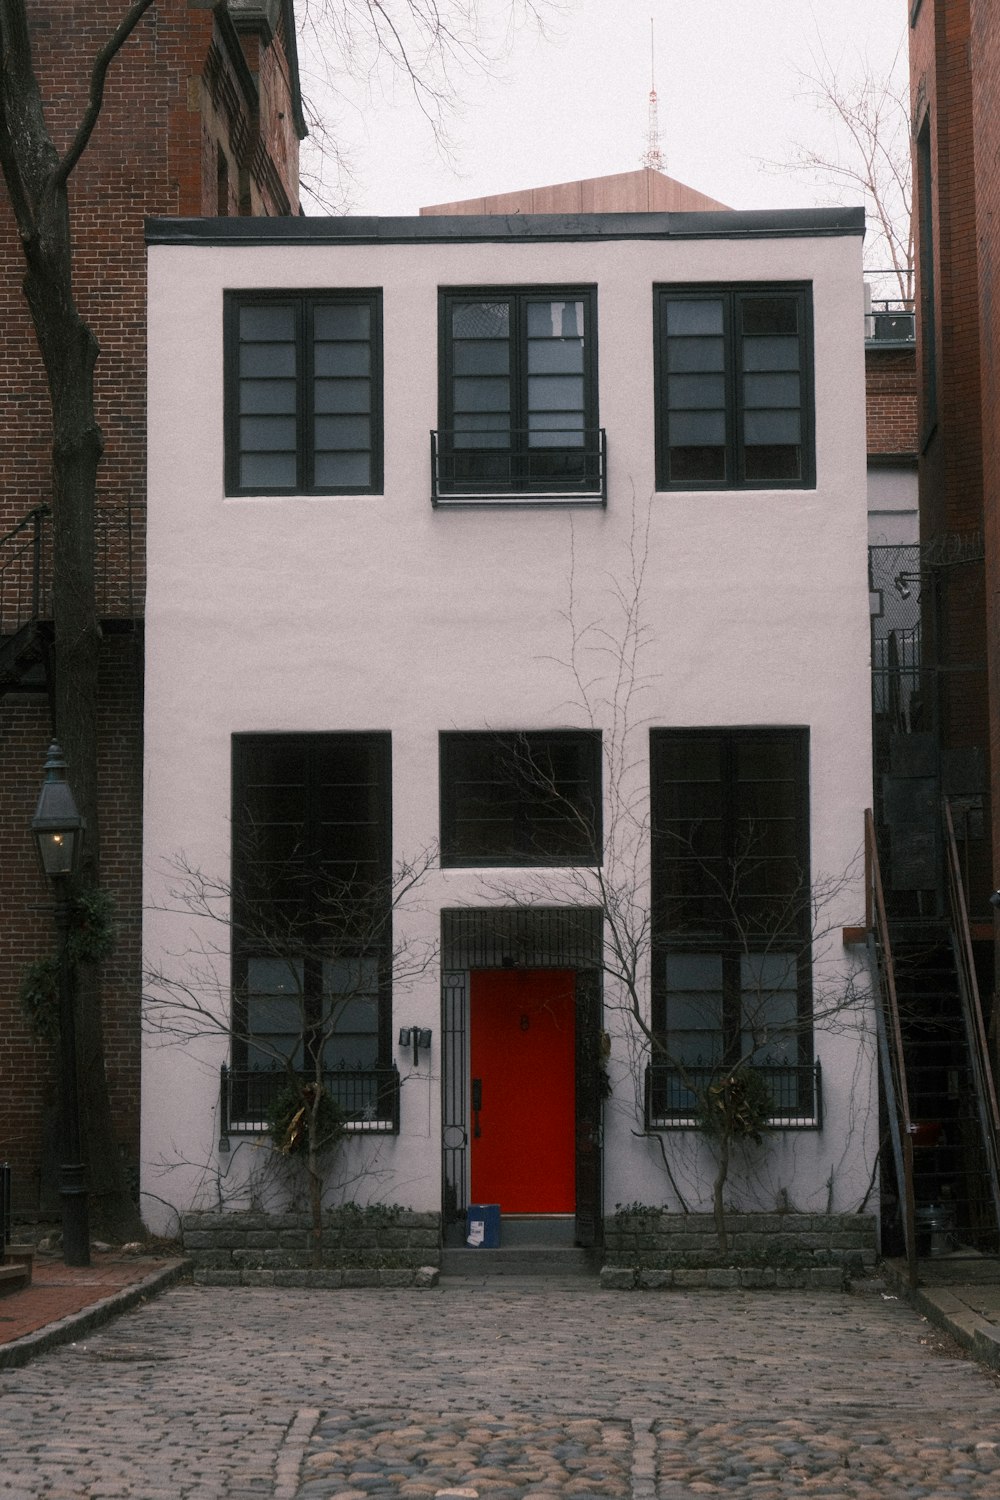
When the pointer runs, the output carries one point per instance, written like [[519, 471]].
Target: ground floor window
[[311, 902], [732, 911]]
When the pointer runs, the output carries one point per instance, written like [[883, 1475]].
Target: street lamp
[[59, 831]]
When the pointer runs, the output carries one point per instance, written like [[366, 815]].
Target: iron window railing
[[535, 466], [368, 1097], [5, 1208], [796, 1094]]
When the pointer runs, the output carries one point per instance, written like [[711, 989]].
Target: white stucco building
[[530, 552]]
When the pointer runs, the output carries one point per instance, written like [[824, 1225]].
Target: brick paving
[[504, 1389]]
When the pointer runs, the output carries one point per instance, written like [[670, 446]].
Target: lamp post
[[59, 830]]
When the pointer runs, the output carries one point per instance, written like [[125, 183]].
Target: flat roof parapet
[[787, 223]]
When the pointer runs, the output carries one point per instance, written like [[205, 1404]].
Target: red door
[[522, 1044]]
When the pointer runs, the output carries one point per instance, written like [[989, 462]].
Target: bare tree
[[715, 1067], [309, 974], [869, 110]]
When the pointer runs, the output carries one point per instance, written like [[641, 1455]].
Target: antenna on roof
[[653, 156]]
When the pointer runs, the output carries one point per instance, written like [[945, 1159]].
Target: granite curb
[[951, 1308], [65, 1330]]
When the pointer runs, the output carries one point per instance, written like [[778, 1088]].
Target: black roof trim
[[789, 223]]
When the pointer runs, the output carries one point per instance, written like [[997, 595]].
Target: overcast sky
[[728, 79]]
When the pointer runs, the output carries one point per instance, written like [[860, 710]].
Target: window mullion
[[304, 385], [734, 386]]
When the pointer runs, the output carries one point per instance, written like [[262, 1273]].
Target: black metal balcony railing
[[536, 467], [25, 575], [796, 1094], [368, 1097]]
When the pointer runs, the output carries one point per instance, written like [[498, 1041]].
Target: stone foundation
[[361, 1247], [653, 1248]]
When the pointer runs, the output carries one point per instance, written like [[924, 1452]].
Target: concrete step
[[13, 1278], [518, 1260]]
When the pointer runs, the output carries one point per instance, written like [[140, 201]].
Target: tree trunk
[[722, 1172], [69, 351]]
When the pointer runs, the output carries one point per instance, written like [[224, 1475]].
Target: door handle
[[477, 1104]]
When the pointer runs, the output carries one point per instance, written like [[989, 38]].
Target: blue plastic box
[[482, 1226]]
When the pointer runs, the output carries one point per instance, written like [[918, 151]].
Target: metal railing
[[672, 1091], [529, 467], [890, 1042], [890, 312], [25, 573], [26, 566], [5, 1208], [367, 1097], [972, 1014]]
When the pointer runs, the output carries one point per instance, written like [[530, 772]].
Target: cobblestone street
[[502, 1390]]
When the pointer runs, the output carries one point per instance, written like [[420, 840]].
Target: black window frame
[[303, 305], [735, 937], [511, 757], [249, 848], [526, 473], [732, 294]]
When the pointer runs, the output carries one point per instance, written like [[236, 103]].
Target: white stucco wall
[[380, 613]]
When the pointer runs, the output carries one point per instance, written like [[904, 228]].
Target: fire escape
[[27, 658], [929, 921]]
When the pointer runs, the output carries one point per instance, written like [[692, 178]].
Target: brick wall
[[179, 92], [986, 130], [891, 400]]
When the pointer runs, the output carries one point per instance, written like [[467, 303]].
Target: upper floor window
[[521, 798], [734, 387], [303, 393], [518, 396]]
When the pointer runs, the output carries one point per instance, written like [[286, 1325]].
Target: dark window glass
[[311, 901], [518, 391], [521, 798], [304, 393], [731, 896], [733, 388]]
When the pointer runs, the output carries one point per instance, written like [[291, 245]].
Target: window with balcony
[[303, 393], [518, 398], [733, 379]]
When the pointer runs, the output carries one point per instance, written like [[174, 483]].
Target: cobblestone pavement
[[502, 1390]]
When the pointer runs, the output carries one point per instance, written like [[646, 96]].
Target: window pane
[[770, 314], [342, 395], [481, 357], [267, 396], [770, 353], [350, 1052], [772, 390], [555, 356], [487, 394], [343, 321], [267, 434], [702, 428], [272, 323], [556, 430], [697, 391], [342, 432], [768, 463], [555, 320], [696, 354], [267, 472], [342, 359], [342, 470], [555, 393], [697, 465], [691, 315], [776, 427], [267, 359], [480, 320]]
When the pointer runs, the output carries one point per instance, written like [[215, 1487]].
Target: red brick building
[[202, 117], [954, 52]]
